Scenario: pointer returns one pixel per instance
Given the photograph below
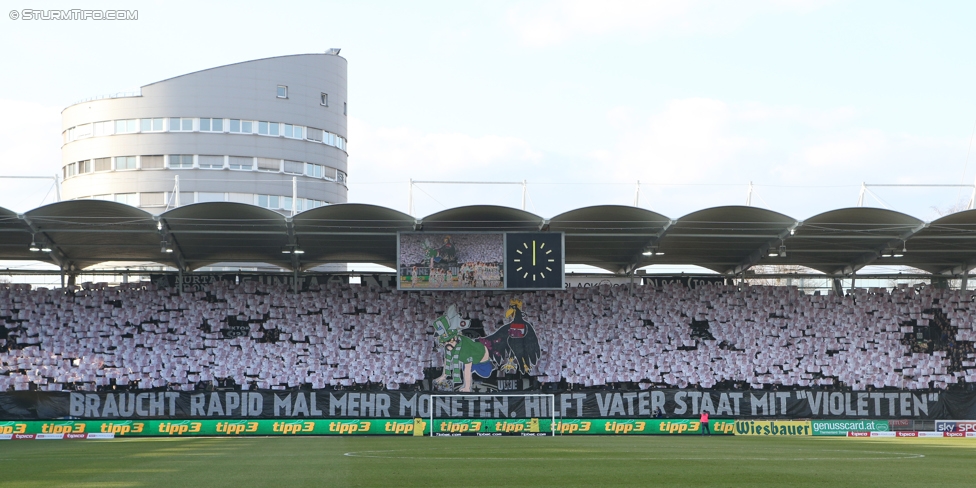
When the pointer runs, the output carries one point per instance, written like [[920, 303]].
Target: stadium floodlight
[[298, 251], [33, 245], [45, 248], [652, 251]]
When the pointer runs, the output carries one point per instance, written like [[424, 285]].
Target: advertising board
[[842, 427], [773, 427]]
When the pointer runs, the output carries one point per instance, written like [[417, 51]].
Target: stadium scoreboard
[[481, 261]]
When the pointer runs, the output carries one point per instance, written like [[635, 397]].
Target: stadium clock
[[534, 260]]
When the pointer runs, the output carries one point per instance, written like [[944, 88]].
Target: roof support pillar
[[838, 287]]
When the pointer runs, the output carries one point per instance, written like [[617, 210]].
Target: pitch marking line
[[385, 454]]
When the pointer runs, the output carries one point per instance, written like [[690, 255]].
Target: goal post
[[492, 414]]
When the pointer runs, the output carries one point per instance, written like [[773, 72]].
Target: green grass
[[470, 461]]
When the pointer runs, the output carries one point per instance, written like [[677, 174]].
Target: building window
[[81, 132], [269, 201], [180, 124], [268, 128], [125, 126], [294, 167], [313, 170], [153, 199], [241, 198], [102, 164], [210, 162], [125, 162], [180, 161], [344, 108], [341, 178], [324, 100], [186, 198], [309, 204], [209, 197], [151, 162], [84, 166], [268, 164], [313, 134], [240, 162], [282, 91], [293, 131], [103, 128], [70, 170], [150, 125], [212, 125], [128, 198]]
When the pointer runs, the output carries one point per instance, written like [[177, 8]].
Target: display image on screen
[[451, 261]]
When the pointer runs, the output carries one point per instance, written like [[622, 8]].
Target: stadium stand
[[258, 336]]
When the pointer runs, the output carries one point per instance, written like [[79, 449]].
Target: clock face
[[534, 260]]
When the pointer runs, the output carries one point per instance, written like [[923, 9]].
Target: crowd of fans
[[258, 336]]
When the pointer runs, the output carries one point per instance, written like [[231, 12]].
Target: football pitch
[[506, 461]]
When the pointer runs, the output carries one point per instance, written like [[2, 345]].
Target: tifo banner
[[773, 427], [843, 427], [317, 404]]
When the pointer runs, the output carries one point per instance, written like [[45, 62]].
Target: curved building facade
[[269, 132]]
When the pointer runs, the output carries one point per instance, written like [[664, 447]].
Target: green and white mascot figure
[[513, 348]]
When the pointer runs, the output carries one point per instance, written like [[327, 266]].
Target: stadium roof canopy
[[729, 240]]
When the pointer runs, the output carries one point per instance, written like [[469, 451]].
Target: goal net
[[492, 415]]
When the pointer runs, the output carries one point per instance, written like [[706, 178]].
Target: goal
[[492, 415]]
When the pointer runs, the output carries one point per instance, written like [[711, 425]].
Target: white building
[[269, 132]]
